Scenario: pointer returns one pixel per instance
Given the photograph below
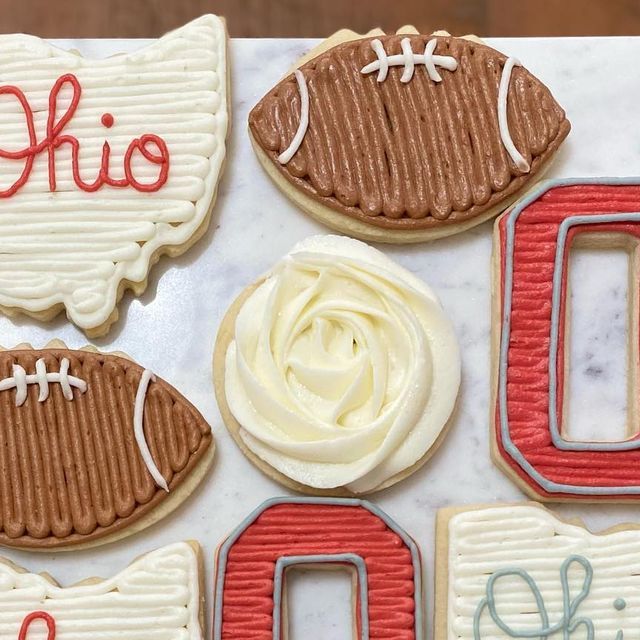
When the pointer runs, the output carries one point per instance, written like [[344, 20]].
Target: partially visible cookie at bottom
[[159, 595], [509, 571], [318, 533], [338, 372]]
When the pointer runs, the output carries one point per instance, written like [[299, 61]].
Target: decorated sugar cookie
[[532, 243], [157, 596], [329, 533], [407, 137], [104, 166], [517, 571], [338, 371], [93, 447]]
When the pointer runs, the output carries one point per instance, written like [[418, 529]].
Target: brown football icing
[[409, 155], [71, 470]]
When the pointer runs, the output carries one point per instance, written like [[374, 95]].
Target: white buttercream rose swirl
[[344, 368]]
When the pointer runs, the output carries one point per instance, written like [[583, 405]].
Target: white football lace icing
[[503, 121], [408, 59], [138, 428], [290, 151], [484, 541], [74, 248], [156, 597], [20, 379], [344, 368]]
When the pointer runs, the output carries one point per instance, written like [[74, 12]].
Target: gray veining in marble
[[172, 327]]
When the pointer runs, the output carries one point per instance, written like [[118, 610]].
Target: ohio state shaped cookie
[[93, 447], [105, 165], [517, 571], [319, 533], [157, 596], [407, 137], [532, 243]]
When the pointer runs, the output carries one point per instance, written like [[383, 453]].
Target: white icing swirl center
[[344, 368]]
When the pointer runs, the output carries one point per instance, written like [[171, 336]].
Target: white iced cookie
[[340, 368], [157, 597], [105, 165]]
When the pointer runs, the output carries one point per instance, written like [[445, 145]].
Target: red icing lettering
[[152, 148], [107, 120], [38, 615]]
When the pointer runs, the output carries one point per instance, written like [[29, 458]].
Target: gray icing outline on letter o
[[223, 555]]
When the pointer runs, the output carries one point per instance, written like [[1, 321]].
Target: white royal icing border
[[20, 380], [138, 429], [503, 121], [303, 125], [408, 59]]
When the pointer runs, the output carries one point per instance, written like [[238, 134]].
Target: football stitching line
[[138, 429], [303, 125], [408, 59], [20, 381], [503, 122]]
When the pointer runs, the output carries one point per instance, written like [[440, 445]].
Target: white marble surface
[[172, 327]]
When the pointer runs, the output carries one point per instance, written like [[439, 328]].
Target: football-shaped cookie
[[92, 447], [404, 138]]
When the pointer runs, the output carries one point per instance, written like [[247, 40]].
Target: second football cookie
[[338, 371]]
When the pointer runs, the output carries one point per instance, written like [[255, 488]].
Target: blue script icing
[[568, 622]]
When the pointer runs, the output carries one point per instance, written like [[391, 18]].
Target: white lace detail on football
[[503, 121], [291, 150], [138, 429], [21, 379], [408, 59]]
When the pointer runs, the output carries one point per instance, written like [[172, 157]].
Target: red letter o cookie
[[532, 243], [283, 532]]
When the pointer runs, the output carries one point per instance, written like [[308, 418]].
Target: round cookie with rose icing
[[93, 448], [105, 165], [338, 371], [406, 137]]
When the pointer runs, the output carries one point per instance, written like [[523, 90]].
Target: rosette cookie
[[338, 371]]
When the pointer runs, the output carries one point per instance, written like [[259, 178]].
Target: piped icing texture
[[393, 146], [344, 368], [248, 583], [517, 571], [535, 240], [70, 237], [156, 597], [71, 467]]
